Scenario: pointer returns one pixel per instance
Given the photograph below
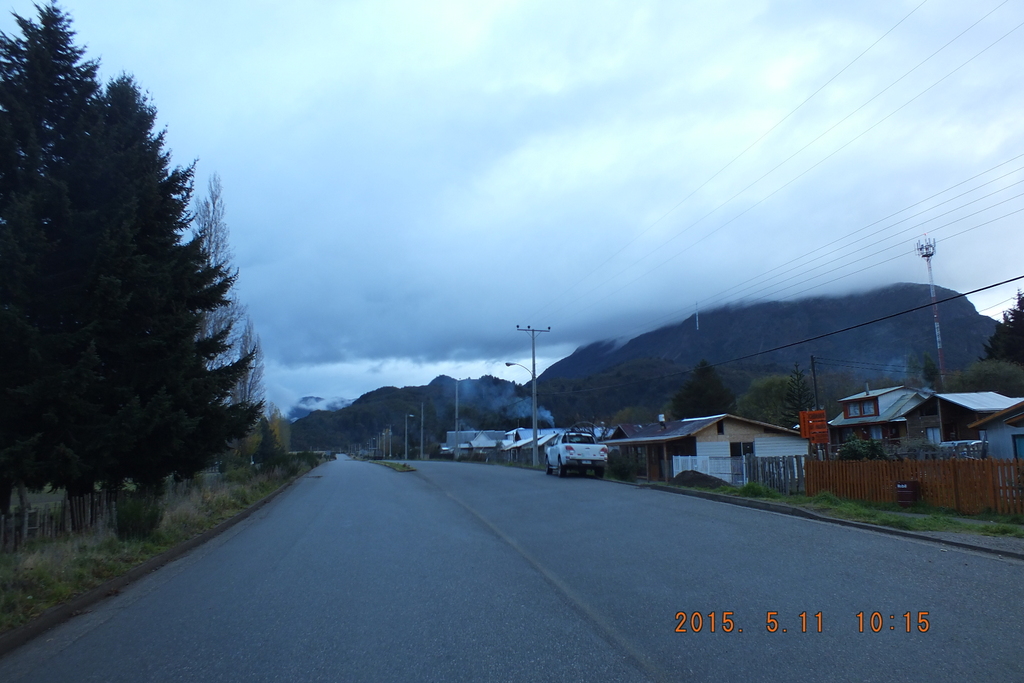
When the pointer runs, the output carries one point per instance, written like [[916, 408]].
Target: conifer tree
[[101, 297], [46, 116], [703, 394], [799, 396], [1007, 342]]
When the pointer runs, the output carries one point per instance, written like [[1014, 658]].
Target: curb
[[807, 514], [58, 614]]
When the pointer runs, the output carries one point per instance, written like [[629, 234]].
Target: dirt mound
[[696, 479]]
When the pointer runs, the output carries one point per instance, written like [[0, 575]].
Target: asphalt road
[[461, 572]]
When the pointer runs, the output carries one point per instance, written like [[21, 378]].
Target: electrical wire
[[740, 155], [801, 174], [789, 345]]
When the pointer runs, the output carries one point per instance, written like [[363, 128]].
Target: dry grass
[[48, 572]]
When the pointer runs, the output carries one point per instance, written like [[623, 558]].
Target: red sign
[[814, 426]]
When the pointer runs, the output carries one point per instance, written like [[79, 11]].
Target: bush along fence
[[49, 520], [967, 486], [785, 474], [96, 512]]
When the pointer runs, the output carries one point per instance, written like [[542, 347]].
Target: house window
[[737, 449], [876, 432], [853, 410], [868, 408], [933, 435], [721, 426]]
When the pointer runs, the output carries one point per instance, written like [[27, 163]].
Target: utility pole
[[455, 454], [926, 249], [407, 416], [533, 350], [421, 431], [814, 379]]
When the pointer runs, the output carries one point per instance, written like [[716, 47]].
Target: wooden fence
[[967, 486], [785, 474], [81, 513]]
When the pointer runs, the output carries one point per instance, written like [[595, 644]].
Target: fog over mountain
[[734, 332]]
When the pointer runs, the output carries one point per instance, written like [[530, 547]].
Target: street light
[[407, 435], [533, 378]]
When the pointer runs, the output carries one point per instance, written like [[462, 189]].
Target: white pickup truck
[[576, 451]]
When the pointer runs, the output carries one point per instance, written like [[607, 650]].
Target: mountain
[[307, 404], [484, 403], [738, 331], [600, 379]]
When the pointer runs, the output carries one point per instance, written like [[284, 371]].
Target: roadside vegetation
[[46, 572], [921, 518], [396, 466]]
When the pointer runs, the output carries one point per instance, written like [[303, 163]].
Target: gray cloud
[[406, 182]]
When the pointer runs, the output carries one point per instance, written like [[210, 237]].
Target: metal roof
[[894, 412], [1011, 416], [677, 429], [981, 401], [873, 393]]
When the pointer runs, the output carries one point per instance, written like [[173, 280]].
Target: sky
[[406, 182]]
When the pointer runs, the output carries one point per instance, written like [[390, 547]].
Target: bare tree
[[233, 320], [249, 388]]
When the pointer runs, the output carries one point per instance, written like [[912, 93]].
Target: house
[[896, 414], [518, 445], [877, 414], [466, 443], [664, 449], [1003, 432], [951, 416]]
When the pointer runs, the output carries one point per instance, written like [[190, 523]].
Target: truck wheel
[[547, 466], [561, 468]]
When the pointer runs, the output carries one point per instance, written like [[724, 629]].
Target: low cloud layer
[[406, 182]]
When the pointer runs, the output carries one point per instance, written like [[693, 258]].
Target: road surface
[[464, 572]]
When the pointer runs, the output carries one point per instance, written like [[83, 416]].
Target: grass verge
[[396, 466], [885, 514], [46, 572]]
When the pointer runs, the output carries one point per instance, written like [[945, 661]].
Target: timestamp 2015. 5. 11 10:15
[[804, 622]]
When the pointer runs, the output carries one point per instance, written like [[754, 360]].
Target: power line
[[800, 175], [740, 155], [791, 344]]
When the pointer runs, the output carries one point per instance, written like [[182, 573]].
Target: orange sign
[[814, 425]]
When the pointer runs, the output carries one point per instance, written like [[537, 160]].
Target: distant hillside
[[307, 404], [485, 403], [737, 331], [601, 379]]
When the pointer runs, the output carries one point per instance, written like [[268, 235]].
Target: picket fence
[[967, 486], [784, 473]]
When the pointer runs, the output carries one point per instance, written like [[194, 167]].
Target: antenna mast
[[926, 249]]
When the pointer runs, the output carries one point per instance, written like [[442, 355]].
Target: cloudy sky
[[408, 181]]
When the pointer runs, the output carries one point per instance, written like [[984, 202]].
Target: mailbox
[[908, 492]]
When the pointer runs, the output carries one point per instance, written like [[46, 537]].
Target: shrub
[[309, 458], [138, 516], [240, 475], [826, 498], [862, 449], [621, 467], [753, 489]]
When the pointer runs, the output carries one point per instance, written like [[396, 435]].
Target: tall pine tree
[[703, 394], [799, 397], [101, 296], [1007, 342]]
